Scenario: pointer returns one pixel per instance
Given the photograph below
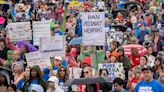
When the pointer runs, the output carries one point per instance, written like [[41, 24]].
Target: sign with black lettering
[[93, 25], [114, 69]]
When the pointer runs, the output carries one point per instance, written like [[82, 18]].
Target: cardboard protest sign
[[114, 69], [40, 29], [19, 31], [34, 58], [75, 72], [93, 28], [54, 43]]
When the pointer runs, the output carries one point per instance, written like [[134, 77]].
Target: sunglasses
[[85, 72], [62, 70]]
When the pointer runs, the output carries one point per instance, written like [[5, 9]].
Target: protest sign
[[19, 31], [34, 58], [40, 29], [114, 69], [93, 28], [54, 43], [75, 72]]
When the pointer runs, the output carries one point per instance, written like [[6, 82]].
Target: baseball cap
[[58, 58], [147, 68]]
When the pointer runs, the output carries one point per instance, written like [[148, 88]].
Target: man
[[118, 85], [148, 84], [57, 31]]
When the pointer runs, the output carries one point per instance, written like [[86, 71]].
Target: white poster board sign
[[93, 24], [75, 72], [34, 58], [114, 69], [40, 29], [19, 31], [54, 43]]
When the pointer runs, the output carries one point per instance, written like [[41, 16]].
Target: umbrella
[[3, 2], [30, 47], [74, 4], [2, 20], [122, 11], [90, 80], [122, 27], [141, 49], [5, 68], [76, 41], [131, 4]]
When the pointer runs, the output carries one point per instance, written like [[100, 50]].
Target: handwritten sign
[[54, 43], [93, 28], [34, 58], [40, 29], [75, 72], [19, 31], [114, 69]]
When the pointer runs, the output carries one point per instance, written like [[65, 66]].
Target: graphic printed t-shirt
[[153, 86]]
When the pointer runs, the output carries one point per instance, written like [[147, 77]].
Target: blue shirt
[[141, 35], [153, 86], [58, 33], [20, 84], [123, 91]]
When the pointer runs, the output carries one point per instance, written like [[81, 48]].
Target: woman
[[161, 74], [4, 80], [25, 78], [134, 77], [113, 46], [23, 50], [71, 34], [114, 57], [125, 60], [87, 72], [53, 85], [156, 67], [69, 58], [143, 62], [107, 57], [11, 88], [35, 78], [151, 58], [17, 69], [62, 75], [105, 87], [134, 58]]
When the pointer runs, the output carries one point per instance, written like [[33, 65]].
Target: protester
[[24, 79], [18, 69], [118, 85], [11, 88], [148, 83], [4, 80], [53, 85], [35, 78], [111, 25], [62, 75]]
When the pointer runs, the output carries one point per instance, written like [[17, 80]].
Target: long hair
[[65, 76], [5, 83]]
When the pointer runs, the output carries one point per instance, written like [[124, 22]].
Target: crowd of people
[[135, 23]]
